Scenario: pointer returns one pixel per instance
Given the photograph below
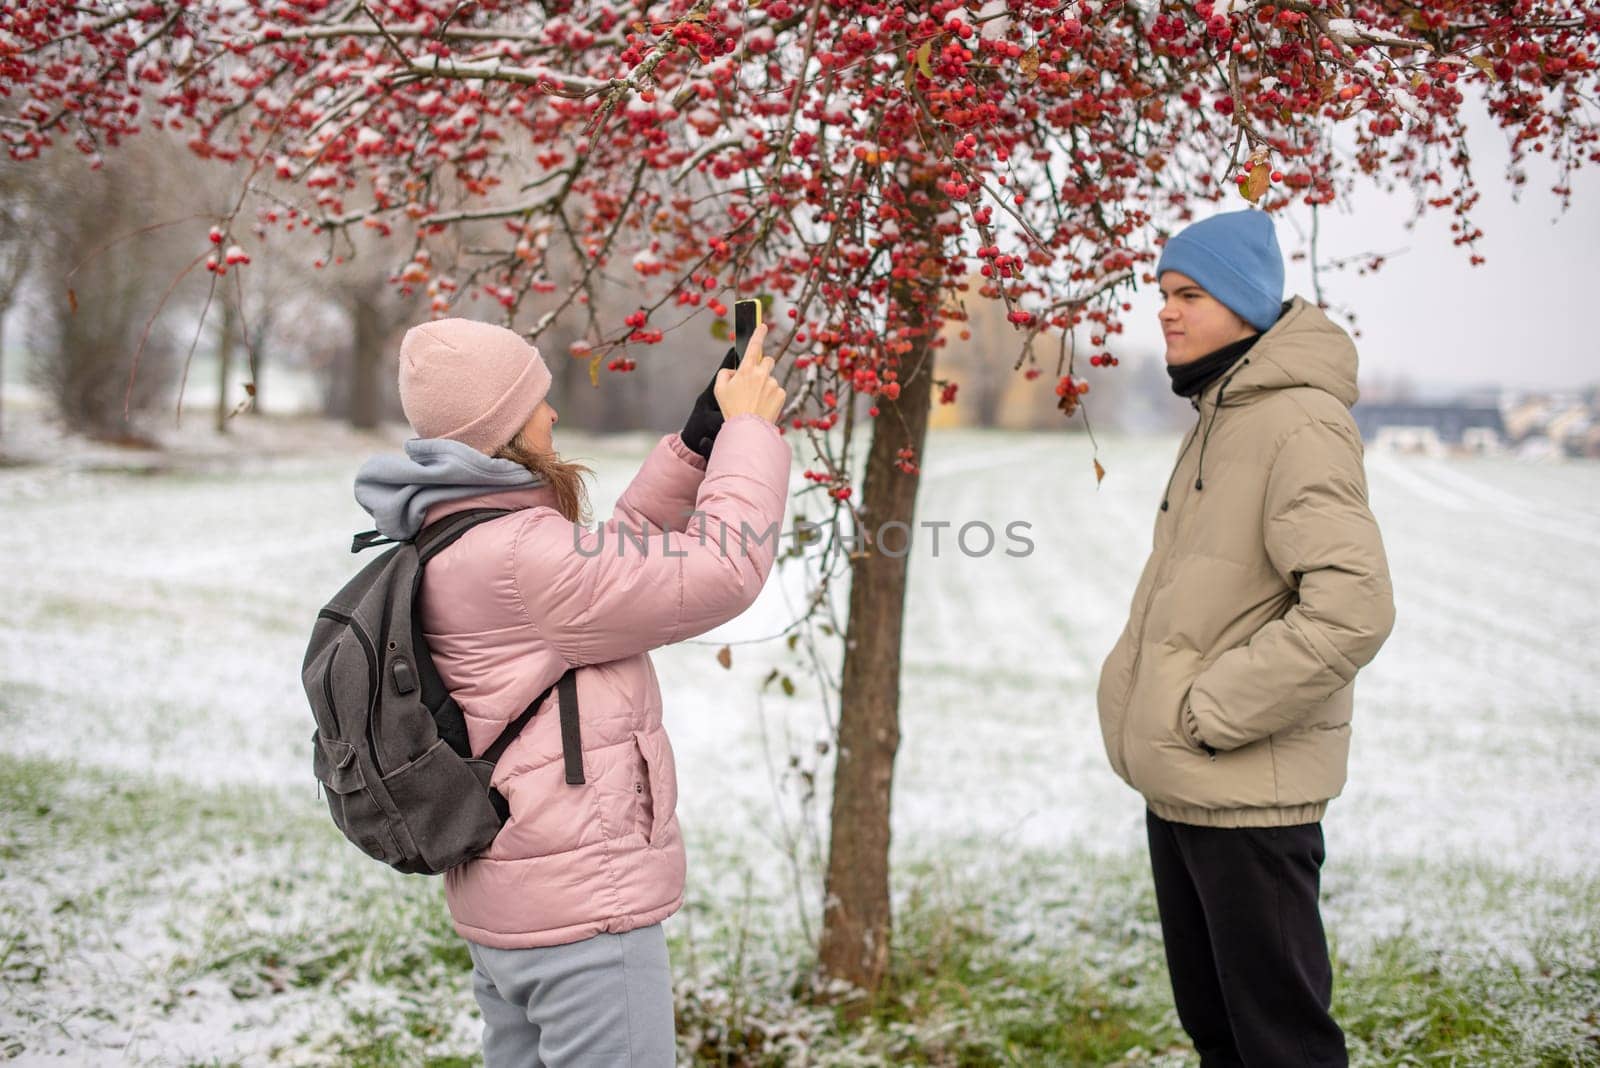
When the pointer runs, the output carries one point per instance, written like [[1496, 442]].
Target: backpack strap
[[514, 728], [436, 537], [447, 715], [571, 743], [432, 541], [444, 532], [367, 539]]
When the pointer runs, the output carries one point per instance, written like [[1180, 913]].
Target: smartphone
[[746, 317]]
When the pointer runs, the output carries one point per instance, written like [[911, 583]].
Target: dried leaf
[[719, 330], [1259, 182], [1099, 473], [250, 388], [794, 640], [1030, 64], [72, 300], [923, 55], [594, 371], [725, 657], [1485, 64], [788, 686]]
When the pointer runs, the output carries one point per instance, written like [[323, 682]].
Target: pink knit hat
[[472, 382]]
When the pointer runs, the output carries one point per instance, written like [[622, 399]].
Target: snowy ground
[[164, 822]]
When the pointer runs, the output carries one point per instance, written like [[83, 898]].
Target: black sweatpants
[[1243, 933]]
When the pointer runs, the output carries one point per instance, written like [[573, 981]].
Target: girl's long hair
[[566, 479]]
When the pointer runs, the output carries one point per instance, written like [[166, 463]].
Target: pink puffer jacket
[[514, 603]]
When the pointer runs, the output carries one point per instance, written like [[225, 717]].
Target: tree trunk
[[856, 916], [254, 358], [2, 370], [224, 364], [365, 359], [986, 405]]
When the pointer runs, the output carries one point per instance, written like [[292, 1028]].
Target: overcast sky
[[1529, 317]]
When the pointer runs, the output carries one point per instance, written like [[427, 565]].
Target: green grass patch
[[55, 804], [1037, 960], [989, 971], [1403, 1003], [972, 981], [242, 889]]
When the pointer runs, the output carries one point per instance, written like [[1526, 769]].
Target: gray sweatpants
[[599, 1003]]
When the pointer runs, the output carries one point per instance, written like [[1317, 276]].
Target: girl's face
[[540, 428], [1194, 322]]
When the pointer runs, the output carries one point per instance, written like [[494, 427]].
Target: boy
[[1227, 700]]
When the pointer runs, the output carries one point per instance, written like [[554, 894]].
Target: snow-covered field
[[154, 731]]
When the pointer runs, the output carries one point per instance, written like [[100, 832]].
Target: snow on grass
[[194, 904]]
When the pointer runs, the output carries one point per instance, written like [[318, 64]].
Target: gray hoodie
[[398, 490]]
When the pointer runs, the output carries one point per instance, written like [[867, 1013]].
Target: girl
[[562, 914]]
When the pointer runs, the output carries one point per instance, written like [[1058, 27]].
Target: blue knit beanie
[[1234, 257]]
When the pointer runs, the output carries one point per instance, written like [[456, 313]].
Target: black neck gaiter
[[1191, 379]]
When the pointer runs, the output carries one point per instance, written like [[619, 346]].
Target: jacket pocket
[[660, 793]]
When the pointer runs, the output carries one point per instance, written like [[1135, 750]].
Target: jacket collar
[[1304, 348]]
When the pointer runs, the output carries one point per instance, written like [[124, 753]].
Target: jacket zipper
[[1156, 584], [372, 680], [1144, 617]]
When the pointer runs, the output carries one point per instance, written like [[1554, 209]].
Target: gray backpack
[[390, 748]]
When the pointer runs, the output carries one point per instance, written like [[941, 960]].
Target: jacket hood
[[398, 490], [1303, 348]]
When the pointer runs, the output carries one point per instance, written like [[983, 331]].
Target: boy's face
[[1195, 323]]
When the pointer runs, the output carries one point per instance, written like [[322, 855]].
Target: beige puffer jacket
[[1227, 700]]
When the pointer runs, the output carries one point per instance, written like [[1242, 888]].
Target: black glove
[[700, 432]]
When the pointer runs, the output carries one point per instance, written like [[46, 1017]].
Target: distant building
[[1567, 423], [1571, 429], [1432, 428]]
